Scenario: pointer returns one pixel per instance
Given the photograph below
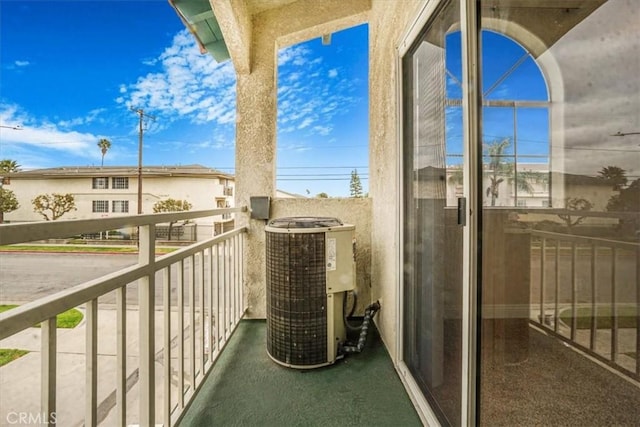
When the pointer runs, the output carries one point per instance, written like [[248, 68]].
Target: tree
[[7, 165], [322, 195], [355, 186], [8, 202], [575, 204], [615, 176], [104, 145], [628, 200], [171, 205], [53, 206], [497, 167]]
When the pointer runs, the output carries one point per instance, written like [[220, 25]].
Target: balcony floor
[[247, 388]]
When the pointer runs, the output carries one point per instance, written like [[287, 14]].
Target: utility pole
[[141, 115]]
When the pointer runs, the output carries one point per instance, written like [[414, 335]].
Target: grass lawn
[[626, 317], [78, 248], [69, 319], [10, 354]]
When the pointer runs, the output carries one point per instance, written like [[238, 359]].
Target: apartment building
[[102, 192]]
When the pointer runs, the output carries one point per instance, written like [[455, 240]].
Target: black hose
[[369, 314], [346, 316]]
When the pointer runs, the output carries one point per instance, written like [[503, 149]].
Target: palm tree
[[497, 167], [104, 145], [7, 165], [614, 175]]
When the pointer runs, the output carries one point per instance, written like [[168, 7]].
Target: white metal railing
[[200, 304], [600, 264]]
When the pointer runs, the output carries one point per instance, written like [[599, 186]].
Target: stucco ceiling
[[257, 6]]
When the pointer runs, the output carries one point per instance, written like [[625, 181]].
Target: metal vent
[[296, 297]]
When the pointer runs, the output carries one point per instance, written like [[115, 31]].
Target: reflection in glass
[[560, 290], [432, 239]]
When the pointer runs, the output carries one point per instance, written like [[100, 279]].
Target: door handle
[[462, 211]]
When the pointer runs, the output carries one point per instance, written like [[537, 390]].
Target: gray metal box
[[260, 207]]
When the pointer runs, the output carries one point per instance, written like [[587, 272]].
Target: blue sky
[[72, 70]]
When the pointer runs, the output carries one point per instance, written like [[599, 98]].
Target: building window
[[100, 206], [120, 183], [546, 204], [120, 206], [521, 203], [100, 183]]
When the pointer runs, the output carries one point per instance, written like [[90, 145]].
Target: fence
[[200, 304], [589, 295]]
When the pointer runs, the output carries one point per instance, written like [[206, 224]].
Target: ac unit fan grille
[[296, 298]]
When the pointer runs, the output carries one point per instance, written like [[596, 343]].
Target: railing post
[[121, 356], [146, 307], [192, 325], [48, 359], [574, 290], [594, 297], [614, 307], [638, 311], [556, 291], [166, 359], [180, 303], [201, 306], [91, 357], [543, 252]]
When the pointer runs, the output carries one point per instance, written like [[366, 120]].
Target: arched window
[[515, 123]]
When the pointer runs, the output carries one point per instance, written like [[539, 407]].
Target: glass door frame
[[472, 191]]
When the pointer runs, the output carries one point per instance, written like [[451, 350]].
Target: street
[[26, 277]]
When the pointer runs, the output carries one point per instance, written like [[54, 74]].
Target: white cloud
[[298, 147], [150, 61], [190, 85], [42, 134], [323, 130], [602, 66], [310, 95], [21, 63], [294, 54], [305, 123], [91, 117]]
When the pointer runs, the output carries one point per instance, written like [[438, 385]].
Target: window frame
[[100, 183], [123, 206], [120, 182], [104, 204]]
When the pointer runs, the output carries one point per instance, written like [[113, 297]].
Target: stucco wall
[[256, 146], [388, 21], [256, 101]]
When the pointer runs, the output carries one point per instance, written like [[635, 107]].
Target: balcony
[[113, 368]]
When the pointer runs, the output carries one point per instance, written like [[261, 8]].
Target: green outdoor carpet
[[246, 388]]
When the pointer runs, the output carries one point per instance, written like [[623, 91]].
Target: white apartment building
[[106, 191]]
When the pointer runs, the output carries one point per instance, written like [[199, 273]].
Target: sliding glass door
[[528, 314], [432, 230]]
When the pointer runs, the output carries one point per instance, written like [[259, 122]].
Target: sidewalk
[[20, 379]]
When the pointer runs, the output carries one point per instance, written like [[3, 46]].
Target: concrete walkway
[[20, 379]]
